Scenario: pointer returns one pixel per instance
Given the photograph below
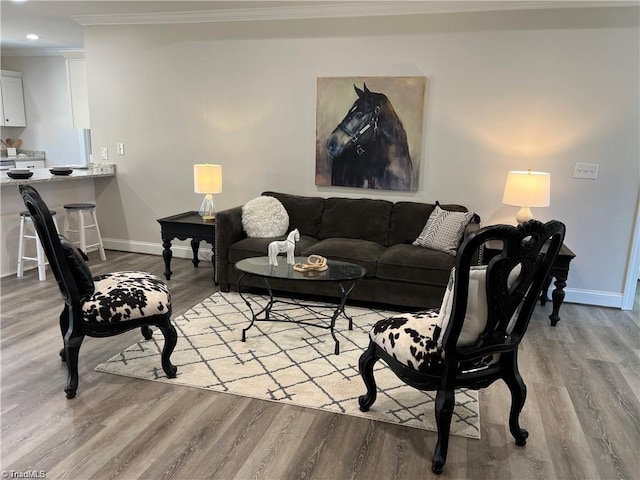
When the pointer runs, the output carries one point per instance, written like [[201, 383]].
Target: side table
[[182, 226], [559, 271]]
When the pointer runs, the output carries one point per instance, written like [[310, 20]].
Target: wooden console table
[[182, 226], [559, 271]]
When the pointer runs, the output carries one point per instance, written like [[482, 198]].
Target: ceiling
[[60, 23]]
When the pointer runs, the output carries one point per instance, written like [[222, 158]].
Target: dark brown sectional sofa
[[376, 234]]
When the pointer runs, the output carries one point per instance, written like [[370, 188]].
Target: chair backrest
[[58, 261], [514, 280]]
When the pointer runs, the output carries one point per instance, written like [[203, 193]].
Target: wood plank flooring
[[582, 410]]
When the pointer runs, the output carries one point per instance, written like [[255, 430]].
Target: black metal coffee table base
[[317, 311]]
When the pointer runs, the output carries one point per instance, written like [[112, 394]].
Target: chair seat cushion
[[123, 296], [411, 339]]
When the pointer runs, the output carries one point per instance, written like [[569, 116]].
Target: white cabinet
[[12, 100], [29, 163], [78, 95]]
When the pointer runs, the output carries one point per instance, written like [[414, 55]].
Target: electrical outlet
[[104, 153], [586, 170], [120, 148]]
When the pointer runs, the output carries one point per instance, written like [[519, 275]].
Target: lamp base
[[208, 209], [524, 215]]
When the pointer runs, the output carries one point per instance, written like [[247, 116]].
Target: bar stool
[[80, 227], [40, 256]]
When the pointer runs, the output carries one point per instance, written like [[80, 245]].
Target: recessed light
[[32, 36]]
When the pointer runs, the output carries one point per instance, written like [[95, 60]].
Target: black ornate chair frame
[[72, 325], [458, 369]]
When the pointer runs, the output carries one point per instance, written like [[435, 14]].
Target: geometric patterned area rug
[[287, 362]]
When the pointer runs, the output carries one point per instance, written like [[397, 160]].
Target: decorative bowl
[[19, 175], [55, 171]]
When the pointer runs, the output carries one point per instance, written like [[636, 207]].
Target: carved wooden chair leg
[[445, 401], [71, 351], [64, 326], [365, 365], [146, 332], [170, 340], [518, 396]]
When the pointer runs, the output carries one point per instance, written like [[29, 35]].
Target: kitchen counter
[[56, 190], [41, 175]]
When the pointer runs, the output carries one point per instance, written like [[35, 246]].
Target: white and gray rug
[[287, 362]]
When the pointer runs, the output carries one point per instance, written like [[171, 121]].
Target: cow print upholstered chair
[[100, 306], [473, 339]]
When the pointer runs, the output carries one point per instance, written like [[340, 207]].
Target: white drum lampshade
[[527, 189], [207, 179]]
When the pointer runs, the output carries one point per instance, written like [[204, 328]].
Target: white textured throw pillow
[[264, 217], [444, 230], [476, 315]]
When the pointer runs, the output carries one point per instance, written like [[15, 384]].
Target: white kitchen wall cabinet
[[78, 94], [12, 99]]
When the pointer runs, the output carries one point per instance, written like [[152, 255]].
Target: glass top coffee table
[[344, 275]]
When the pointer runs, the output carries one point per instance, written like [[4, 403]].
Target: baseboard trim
[[592, 297], [179, 251]]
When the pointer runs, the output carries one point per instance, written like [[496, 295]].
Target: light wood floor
[[582, 411]]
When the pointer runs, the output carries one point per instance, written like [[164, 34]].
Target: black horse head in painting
[[369, 147]]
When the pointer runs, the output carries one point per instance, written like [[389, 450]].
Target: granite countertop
[[41, 175], [23, 155]]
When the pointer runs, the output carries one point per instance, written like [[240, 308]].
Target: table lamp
[[527, 189], [207, 179]]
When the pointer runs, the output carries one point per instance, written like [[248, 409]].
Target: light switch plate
[[586, 170]]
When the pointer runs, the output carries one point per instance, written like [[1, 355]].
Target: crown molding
[[72, 54], [35, 52], [336, 10]]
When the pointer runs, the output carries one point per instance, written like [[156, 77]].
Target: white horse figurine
[[288, 246]]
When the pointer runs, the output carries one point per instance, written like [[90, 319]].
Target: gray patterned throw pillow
[[444, 230]]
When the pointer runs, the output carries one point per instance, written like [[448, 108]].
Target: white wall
[[506, 90], [47, 109]]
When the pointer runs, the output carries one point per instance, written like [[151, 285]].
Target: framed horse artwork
[[369, 132]]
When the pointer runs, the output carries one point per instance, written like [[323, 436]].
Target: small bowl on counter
[[19, 173], [61, 170]]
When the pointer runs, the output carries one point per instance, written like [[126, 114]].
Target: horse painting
[[369, 148]]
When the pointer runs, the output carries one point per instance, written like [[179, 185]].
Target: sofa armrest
[[474, 225], [229, 230]]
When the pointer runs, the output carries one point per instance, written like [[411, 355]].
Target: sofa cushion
[[361, 218], [408, 263], [305, 213], [361, 252], [408, 219], [259, 247]]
